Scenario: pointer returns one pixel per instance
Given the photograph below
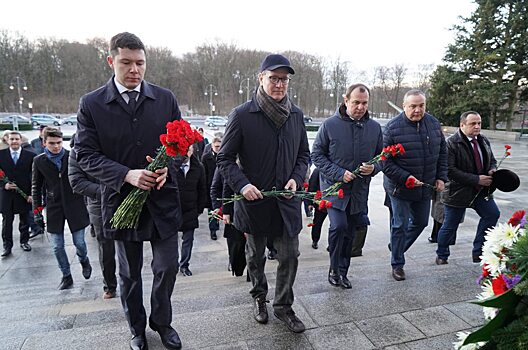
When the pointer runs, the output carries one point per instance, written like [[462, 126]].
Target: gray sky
[[364, 33]]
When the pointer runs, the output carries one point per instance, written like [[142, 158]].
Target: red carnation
[[310, 224], [340, 193], [35, 211], [318, 194], [328, 205], [382, 157], [393, 150], [508, 154], [516, 217], [499, 285], [2, 174], [507, 146], [410, 183], [305, 185], [485, 272], [322, 204]]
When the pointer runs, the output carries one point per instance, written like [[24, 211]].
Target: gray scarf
[[278, 112]]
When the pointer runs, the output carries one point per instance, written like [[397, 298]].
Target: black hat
[[272, 62], [505, 180]]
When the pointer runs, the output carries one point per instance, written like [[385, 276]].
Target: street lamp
[[21, 85], [293, 94], [336, 96], [210, 94], [240, 91]]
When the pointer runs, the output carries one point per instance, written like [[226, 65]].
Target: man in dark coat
[[268, 135], [90, 188], [191, 182], [50, 174], [118, 127], [16, 163], [209, 163], [424, 162], [471, 165], [343, 143]]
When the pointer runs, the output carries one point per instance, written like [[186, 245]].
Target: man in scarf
[[50, 175], [268, 135]]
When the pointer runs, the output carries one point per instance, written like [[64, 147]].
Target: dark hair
[[15, 132], [464, 115], [362, 88], [125, 40], [51, 132]]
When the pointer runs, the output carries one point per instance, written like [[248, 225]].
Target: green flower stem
[[127, 214]]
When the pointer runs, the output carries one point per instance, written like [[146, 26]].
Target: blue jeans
[[341, 238], [489, 215], [57, 243], [408, 221]]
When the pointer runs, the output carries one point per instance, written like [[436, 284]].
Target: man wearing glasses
[[268, 135]]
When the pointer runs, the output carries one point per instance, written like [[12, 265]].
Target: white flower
[[490, 312], [507, 235], [462, 337], [493, 263]]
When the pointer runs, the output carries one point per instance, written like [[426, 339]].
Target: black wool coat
[[111, 140], [192, 194], [61, 203], [10, 201], [269, 157]]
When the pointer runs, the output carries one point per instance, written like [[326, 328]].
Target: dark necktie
[[132, 100], [476, 155]]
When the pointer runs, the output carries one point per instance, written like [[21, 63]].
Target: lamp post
[[240, 91], [210, 93], [336, 96], [20, 85]]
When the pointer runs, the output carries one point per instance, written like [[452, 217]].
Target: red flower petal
[[507, 146], [410, 183], [318, 194], [322, 204], [340, 193], [499, 285], [328, 205]]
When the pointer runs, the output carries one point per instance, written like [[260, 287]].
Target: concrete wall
[[491, 134]]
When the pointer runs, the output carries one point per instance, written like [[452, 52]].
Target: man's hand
[[491, 171], [10, 186], [163, 173], [227, 219], [439, 185], [292, 186], [30, 199], [142, 178], [366, 169], [348, 176], [252, 193], [485, 180]]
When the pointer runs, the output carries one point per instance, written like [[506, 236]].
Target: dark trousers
[[287, 257], [186, 247], [341, 238], [106, 249], [319, 218], [164, 268], [32, 224], [7, 229], [359, 240]]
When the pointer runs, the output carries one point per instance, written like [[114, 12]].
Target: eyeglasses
[[275, 80]]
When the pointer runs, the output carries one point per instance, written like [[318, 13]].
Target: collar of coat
[[112, 93], [254, 107]]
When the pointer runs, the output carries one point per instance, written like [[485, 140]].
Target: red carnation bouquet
[[179, 137], [4, 179]]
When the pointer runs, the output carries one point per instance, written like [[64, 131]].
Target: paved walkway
[[213, 310]]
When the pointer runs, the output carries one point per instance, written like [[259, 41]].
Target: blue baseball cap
[[272, 62]]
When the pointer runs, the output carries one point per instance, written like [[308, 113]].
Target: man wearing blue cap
[[268, 135]]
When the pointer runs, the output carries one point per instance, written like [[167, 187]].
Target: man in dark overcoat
[[268, 135], [209, 163], [50, 175], [118, 126], [16, 163], [344, 142]]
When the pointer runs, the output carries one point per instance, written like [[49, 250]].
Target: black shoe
[[25, 247], [292, 321], [333, 278], [169, 337], [185, 271], [139, 342], [86, 269], [345, 282], [213, 235], [66, 282], [272, 254], [315, 245], [34, 234], [431, 240], [356, 254], [476, 259], [390, 247], [398, 274], [6, 253], [260, 310], [328, 249], [440, 261]]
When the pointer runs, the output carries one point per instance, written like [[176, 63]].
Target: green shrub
[[23, 127], [312, 127]]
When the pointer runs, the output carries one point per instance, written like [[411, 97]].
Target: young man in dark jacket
[[209, 163], [191, 182], [343, 143], [50, 172], [424, 162], [471, 165]]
